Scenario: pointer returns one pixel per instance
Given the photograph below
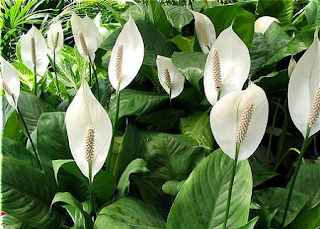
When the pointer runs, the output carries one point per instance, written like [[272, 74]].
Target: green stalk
[[91, 191], [295, 174], [35, 79], [96, 77], [55, 70], [89, 72], [234, 169], [114, 129], [169, 113]]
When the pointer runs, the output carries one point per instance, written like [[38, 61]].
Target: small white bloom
[[55, 37], [262, 24], [103, 32]]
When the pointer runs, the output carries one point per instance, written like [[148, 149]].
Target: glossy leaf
[[179, 16]]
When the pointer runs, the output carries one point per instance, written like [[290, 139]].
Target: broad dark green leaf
[[259, 52], [10, 222], [260, 173], [206, 190], [197, 126], [307, 220], [275, 83], [31, 108], [26, 195], [129, 213], [312, 14], [179, 16], [275, 198], [158, 17], [191, 65], [134, 102], [136, 166], [104, 185]]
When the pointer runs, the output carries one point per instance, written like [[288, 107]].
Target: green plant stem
[[271, 132], [55, 70], [90, 72], [35, 79], [91, 191], [96, 78], [169, 113], [294, 177], [234, 169], [114, 130]]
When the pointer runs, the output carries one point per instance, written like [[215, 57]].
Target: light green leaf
[[307, 220], [250, 224], [184, 44], [179, 16], [137, 12], [172, 187]]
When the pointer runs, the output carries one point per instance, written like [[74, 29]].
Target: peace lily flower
[[205, 31], [86, 36], [89, 131], [240, 118], [34, 51], [304, 90], [10, 82], [169, 76], [55, 37], [291, 66], [103, 32], [262, 24], [227, 66], [127, 56]]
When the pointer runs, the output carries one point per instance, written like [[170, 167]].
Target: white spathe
[[90, 33], [176, 78], [42, 60], [225, 117], [55, 37], [11, 78], [262, 24], [132, 57], [85, 110], [207, 27], [235, 64], [304, 81], [103, 32]]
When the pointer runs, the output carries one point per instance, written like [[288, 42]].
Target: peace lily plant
[[34, 53], [125, 62], [304, 102], [238, 122], [227, 66], [55, 42]]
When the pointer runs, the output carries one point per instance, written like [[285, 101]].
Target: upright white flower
[[10, 82], [304, 90], [127, 56], [227, 66], [103, 32], [89, 131], [169, 76], [262, 24], [86, 36], [205, 31], [55, 37], [34, 51], [240, 117]]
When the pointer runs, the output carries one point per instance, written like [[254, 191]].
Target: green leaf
[[191, 65], [137, 12], [172, 187], [197, 126], [10, 222], [136, 166], [312, 14], [276, 198], [155, 43], [158, 17], [134, 102], [308, 219], [250, 224], [66, 197], [31, 108], [26, 196], [179, 16], [275, 83], [129, 213], [258, 53], [206, 190], [243, 21], [307, 182], [104, 185], [260, 173], [183, 43]]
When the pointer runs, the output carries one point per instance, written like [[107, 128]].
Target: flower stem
[[89, 72], [295, 174], [35, 79], [55, 70], [169, 114], [91, 191], [96, 78], [114, 130], [234, 168]]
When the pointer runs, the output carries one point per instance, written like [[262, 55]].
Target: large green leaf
[[129, 213], [104, 185], [260, 174], [276, 198], [258, 53], [134, 102], [31, 108], [137, 12], [206, 190], [191, 65], [307, 220], [158, 17], [312, 12], [197, 126], [179, 16], [26, 195], [10, 222], [155, 43], [243, 21]]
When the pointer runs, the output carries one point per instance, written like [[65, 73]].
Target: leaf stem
[[91, 191], [55, 70], [234, 168], [35, 79], [294, 177]]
